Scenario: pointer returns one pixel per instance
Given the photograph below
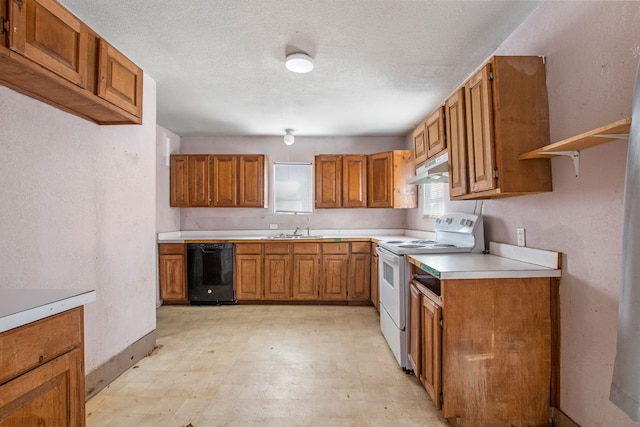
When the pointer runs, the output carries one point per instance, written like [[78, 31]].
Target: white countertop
[[327, 234], [513, 262], [21, 306]]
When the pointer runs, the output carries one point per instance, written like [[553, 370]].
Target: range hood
[[436, 170]]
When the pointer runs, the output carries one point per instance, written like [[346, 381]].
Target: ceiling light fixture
[[299, 62], [289, 139]]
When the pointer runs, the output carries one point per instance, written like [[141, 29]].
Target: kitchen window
[[293, 188], [433, 199]]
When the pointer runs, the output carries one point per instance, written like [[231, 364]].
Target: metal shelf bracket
[[575, 156]]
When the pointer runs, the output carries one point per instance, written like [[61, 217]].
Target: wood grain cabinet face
[[328, 181], [506, 114], [238, 181], [305, 271], [335, 271], [49, 35], [375, 283], [225, 185], [434, 133], [200, 180], [120, 80], [173, 273], [42, 372], [277, 271], [179, 181], [420, 144], [359, 285], [354, 181], [415, 330], [430, 365], [386, 180], [248, 269]]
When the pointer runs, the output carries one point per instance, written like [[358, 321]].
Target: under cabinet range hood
[[435, 170]]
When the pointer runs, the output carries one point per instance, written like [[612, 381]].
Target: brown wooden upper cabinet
[[209, 180], [341, 181], [386, 180], [506, 114], [52, 56], [429, 137]]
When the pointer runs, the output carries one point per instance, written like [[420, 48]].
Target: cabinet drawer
[[249, 248], [335, 248], [361, 247], [36, 343], [171, 248], [276, 248], [306, 248]]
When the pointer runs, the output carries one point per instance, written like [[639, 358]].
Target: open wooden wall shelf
[[571, 146]]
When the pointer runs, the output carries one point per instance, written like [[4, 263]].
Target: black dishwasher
[[210, 273]]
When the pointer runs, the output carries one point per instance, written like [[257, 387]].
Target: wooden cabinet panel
[[420, 143], [51, 394], [386, 180], [480, 147], [120, 80], [49, 35], [375, 283], [249, 281], [251, 181], [306, 276], [335, 272], [415, 331], [179, 181], [225, 182], [200, 180], [456, 132], [173, 273], [434, 133], [359, 285], [354, 181], [328, 181], [430, 365], [277, 277]]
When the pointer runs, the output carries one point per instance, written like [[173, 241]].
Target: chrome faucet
[[308, 232], [295, 233]]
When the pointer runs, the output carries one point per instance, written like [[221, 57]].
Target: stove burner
[[444, 245], [408, 245], [423, 242], [394, 242]]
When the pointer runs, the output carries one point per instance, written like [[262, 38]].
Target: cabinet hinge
[[490, 75], [4, 25], [495, 173], [441, 322], [441, 398]]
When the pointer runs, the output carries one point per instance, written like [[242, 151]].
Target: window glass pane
[[293, 187], [433, 199]]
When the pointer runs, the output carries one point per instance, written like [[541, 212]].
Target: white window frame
[[297, 197]]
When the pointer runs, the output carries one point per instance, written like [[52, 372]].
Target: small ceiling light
[[299, 63], [289, 139]]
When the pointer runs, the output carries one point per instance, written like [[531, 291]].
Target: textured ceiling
[[381, 65]]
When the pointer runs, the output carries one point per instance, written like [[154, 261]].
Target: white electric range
[[455, 233]]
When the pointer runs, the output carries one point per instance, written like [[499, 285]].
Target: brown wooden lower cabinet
[[359, 285], [335, 271], [306, 271], [42, 372], [277, 271], [248, 272], [375, 284], [492, 364], [173, 273]]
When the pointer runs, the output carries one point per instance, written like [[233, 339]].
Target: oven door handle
[[388, 256]]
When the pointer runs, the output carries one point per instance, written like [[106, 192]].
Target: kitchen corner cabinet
[[341, 181], [42, 372], [248, 271], [429, 137], [506, 114], [52, 56], [386, 180], [173, 273]]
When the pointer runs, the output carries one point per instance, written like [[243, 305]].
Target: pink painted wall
[[592, 51]]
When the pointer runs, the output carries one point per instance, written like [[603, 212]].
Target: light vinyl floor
[[265, 365]]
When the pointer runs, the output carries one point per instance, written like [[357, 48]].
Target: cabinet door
[[480, 146], [51, 394], [434, 133], [48, 34], [179, 181], [420, 143], [120, 80], [431, 369], [328, 181], [277, 277], [335, 272], [225, 181], [354, 181], [251, 181], [199, 180], [415, 330], [359, 286], [306, 276], [375, 284], [456, 132], [380, 180], [249, 284], [173, 280]]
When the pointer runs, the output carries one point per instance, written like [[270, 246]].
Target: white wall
[[592, 51], [77, 210], [303, 150]]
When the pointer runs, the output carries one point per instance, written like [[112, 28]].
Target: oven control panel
[[457, 223]]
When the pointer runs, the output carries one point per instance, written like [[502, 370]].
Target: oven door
[[392, 286]]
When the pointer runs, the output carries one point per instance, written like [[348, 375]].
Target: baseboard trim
[[104, 374], [560, 419]]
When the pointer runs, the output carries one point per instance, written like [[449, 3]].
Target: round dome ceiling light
[[299, 63], [289, 139]]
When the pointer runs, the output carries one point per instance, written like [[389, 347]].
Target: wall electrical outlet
[[520, 236], [273, 226]]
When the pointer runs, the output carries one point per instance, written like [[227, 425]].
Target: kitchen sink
[[291, 236]]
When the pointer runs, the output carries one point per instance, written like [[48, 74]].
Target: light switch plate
[[273, 226], [520, 236]]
